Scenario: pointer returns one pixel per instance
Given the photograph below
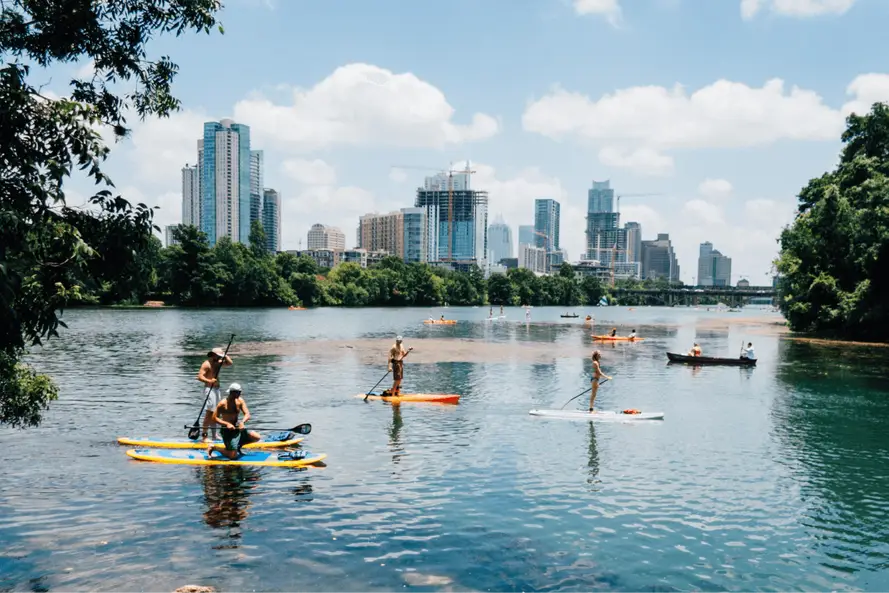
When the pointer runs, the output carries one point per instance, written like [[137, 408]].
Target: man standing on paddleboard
[[234, 435], [597, 374], [207, 375], [396, 365]]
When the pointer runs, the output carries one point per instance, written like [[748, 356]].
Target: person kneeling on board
[[597, 374], [396, 366], [234, 435]]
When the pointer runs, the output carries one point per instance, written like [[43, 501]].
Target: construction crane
[[450, 173]]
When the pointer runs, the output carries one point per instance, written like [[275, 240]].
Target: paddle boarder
[[396, 365], [748, 352], [597, 374], [234, 435], [208, 373]]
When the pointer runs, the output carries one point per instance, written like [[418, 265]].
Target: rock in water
[[194, 589]]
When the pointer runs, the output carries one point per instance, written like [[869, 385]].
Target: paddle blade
[[194, 432], [302, 429]]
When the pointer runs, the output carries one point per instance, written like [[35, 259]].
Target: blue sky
[[546, 96]]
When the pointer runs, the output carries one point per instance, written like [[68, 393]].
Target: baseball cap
[[234, 387], [398, 338], [217, 352]]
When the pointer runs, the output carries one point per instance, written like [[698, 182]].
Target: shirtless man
[[234, 435], [396, 365], [597, 375], [695, 351], [613, 332], [208, 376]]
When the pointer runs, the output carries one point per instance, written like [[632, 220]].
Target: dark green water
[[767, 479]]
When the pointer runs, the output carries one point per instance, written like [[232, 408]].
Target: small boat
[[296, 308], [744, 362], [617, 338], [440, 321], [573, 316]]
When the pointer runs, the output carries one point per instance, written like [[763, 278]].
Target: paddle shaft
[[299, 428], [581, 393], [194, 429]]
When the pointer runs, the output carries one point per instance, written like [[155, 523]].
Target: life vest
[[631, 411]]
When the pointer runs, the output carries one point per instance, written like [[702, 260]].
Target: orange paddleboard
[[617, 338], [439, 398]]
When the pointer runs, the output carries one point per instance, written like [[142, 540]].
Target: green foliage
[[52, 255], [834, 256]]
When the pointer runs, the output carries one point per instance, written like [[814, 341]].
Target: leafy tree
[[500, 290], [190, 272], [834, 256], [45, 249], [566, 271], [592, 290]]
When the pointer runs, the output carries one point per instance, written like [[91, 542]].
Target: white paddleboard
[[604, 416]]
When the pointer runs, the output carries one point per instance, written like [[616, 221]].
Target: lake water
[[774, 478]]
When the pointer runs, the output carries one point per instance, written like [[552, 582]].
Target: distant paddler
[[597, 375], [632, 335], [695, 351], [207, 375], [613, 332], [396, 366], [748, 352], [501, 309], [442, 318]]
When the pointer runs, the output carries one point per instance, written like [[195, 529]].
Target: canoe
[[598, 416], [744, 362], [617, 339], [439, 322], [569, 316], [271, 443], [439, 398], [296, 308], [266, 458]]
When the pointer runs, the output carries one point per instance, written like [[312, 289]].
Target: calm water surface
[[765, 479]]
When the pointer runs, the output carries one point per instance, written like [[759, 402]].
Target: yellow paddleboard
[[187, 444], [186, 457]]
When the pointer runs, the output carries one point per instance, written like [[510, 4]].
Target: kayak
[[272, 441], [267, 458], [569, 316], [673, 357], [440, 398], [439, 322], [606, 416], [618, 338], [296, 308]]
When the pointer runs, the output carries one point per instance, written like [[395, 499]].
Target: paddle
[[579, 394], [195, 430], [369, 393], [298, 429]]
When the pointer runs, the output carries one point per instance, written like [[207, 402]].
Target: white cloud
[[761, 211], [397, 175], [160, 147], [644, 161], [362, 104], [314, 172], [325, 204], [607, 8], [796, 8], [702, 213], [715, 189], [646, 216], [725, 114]]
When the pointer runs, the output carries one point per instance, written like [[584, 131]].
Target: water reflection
[[593, 460], [394, 429], [227, 493]]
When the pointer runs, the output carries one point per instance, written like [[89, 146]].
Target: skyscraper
[[382, 232], [191, 196], [457, 218], [326, 237], [606, 241], [526, 234], [414, 241], [714, 269], [256, 183], [659, 259], [634, 242], [225, 181], [546, 224], [271, 219], [499, 241]]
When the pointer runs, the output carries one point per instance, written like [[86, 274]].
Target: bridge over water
[[691, 295]]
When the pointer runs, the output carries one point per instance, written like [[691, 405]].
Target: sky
[[719, 110]]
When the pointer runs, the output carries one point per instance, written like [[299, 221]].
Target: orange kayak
[[617, 338], [439, 322], [438, 398]]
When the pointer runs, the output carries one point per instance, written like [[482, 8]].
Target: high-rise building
[[499, 241], [191, 196], [271, 219], [659, 259], [382, 232], [326, 237], [533, 258], [526, 234], [256, 183], [546, 224], [606, 241], [225, 181], [414, 241], [714, 269], [456, 218], [634, 242], [168, 235]]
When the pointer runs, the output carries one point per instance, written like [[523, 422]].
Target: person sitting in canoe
[[442, 318], [234, 435], [613, 332], [588, 318], [632, 335], [748, 352], [207, 375], [695, 351], [597, 375], [396, 366]]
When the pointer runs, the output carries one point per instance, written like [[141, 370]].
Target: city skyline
[[727, 137]]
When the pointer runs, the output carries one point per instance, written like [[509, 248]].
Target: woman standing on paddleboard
[[597, 374]]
